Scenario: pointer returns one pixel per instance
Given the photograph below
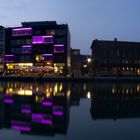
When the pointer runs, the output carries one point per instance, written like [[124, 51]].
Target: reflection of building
[[114, 101], [115, 57], [38, 48], [2, 30], [39, 109]]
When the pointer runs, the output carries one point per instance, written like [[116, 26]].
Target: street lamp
[[88, 60]]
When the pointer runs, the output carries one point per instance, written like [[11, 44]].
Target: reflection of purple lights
[[20, 125], [22, 29], [27, 46], [43, 121], [47, 103], [9, 95], [26, 111], [37, 116], [22, 128], [9, 55], [58, 113], [58, 110], [8, 101]]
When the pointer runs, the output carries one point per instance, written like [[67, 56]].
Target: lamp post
[[89, 60]]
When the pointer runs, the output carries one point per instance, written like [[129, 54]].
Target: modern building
[[2, 32], [38, 48], [115, 57]]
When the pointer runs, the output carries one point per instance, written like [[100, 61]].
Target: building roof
[[38, 23], [115, 42]]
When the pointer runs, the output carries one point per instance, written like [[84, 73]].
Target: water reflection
[[36, 108], [115, 101], [44, 108]]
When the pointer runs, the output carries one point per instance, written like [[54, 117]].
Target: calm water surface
[[69, 111]]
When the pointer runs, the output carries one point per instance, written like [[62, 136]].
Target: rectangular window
[[50, 32], [47, 57], [60, 32], [21, 31], [9, 58], [42, 39], [60, 40], [59, 48], [27, 49]]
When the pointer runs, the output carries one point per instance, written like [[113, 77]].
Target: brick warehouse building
[[38, 48], [115, 58]]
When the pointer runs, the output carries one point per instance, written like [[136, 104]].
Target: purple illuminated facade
[[40, 44]]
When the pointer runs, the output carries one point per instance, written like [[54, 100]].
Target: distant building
[[115, 57], [38, 48], [2, 40], [76, 62], [86, 65]]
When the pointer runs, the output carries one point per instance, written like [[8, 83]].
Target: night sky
[[87, 19]]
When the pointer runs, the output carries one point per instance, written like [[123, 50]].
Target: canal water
[[69, 111]]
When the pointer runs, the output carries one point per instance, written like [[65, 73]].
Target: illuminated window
[[9, 58], [39, 58], [50, 32], [42, 39], [47, 57], [21, 31], [59, 48], [26, 49]]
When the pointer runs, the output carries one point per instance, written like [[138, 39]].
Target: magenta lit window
[[9, 58], [47, 57], [59, 48], [21, 31], [42, 39], [26, 49]]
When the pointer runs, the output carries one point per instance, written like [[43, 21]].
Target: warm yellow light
[[68, 93], [9, 91], [56, 88], [25, 92], [48, 94], [59, 94], [88, 60], [138, 88], [113, 90], [85, 66], [25, 64], [88, 95], [60, 88]]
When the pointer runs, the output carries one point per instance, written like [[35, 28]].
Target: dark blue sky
[[87, 19]]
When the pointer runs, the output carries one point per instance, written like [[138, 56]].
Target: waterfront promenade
[[69, 79]]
